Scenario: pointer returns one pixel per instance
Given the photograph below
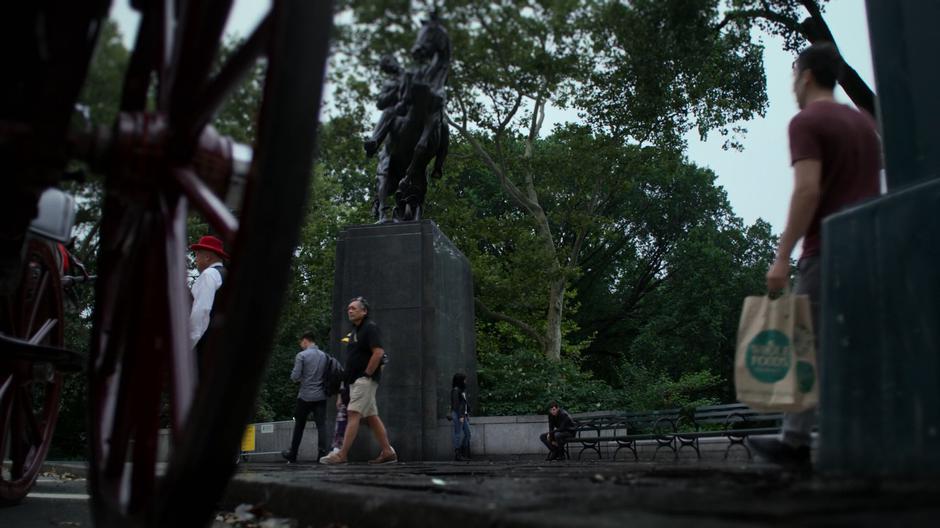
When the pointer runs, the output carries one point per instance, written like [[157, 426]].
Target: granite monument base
[[880, 357], [420, 290]]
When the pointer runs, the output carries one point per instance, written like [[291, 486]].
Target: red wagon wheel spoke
[[29, 398], [114, 424], [147, 54], [206, 202], [6, 405], [33, 315], [198, 37], [232, 72], [182, 362]]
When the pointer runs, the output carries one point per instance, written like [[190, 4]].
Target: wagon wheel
[[159, 162], [29, 390]]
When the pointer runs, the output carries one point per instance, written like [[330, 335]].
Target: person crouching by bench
[[560, 429]]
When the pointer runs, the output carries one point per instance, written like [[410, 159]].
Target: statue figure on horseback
[[413, 127]]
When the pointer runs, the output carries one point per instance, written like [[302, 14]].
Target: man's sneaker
[[332, 458], [289, 457], [776, 451], [385, 458]]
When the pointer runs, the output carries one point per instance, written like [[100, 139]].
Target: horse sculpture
[[413, 128]]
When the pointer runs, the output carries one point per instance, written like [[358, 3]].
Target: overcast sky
[[759, 179]]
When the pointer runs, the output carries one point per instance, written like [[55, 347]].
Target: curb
[[323, 503], [77, 468]]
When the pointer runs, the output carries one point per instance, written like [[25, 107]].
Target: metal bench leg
[[636, 458], [732, 442], [693, 444]]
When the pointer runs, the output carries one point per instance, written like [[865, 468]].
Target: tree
[[665, 284], [782, 18], [516, 59], [661, 70]]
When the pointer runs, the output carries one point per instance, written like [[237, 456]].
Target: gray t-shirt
[[309, 367]]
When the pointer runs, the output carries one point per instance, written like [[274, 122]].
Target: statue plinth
[[879, 363], [420, 289]]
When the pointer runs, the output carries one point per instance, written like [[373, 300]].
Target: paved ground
[[526, 492], [57, 499]]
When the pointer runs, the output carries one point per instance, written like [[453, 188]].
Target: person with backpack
[[365, 356], [312, 370]]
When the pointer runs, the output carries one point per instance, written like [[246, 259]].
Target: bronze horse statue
[[413, 128]]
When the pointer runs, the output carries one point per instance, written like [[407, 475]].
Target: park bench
[[658, 425], [624, 430], [593, 431], [734, 421], [673, 429]]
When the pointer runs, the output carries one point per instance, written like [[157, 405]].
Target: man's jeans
[[797, 426], [301, 411], [461, 431], [560, 438]]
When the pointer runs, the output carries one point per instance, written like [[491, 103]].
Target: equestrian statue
[[413, 127]]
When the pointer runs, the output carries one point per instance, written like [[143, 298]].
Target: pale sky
[[758, 180]]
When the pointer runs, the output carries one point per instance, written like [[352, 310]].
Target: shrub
[[524, 382]]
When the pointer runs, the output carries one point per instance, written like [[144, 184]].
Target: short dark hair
[[309, 336], [553, 404], [460, 380], [824, 61], [361, 300]]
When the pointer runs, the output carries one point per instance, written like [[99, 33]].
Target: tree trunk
[[556, 306], [815, 29]]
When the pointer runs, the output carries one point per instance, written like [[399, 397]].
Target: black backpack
[[333, 376]]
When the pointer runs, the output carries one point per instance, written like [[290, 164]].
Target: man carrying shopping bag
[[836, 158]]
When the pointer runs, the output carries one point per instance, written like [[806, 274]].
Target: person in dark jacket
[[460, 414], [561, 428]]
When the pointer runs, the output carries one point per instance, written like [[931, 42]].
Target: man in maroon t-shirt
[[836, 157]]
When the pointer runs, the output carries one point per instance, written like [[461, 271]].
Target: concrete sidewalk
[[528, 492]]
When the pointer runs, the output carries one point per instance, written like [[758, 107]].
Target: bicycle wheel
[[29, 390], [161, 161]]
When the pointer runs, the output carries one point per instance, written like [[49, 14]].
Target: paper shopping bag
[[775, 359]]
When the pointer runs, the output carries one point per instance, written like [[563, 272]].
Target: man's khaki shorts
[[362, 397]]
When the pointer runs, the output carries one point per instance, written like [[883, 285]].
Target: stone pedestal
[[420, 290], [880, 342]]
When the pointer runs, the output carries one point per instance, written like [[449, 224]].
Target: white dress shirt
[[203, 291]]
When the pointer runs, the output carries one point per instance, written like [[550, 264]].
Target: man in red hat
[[209, 254]]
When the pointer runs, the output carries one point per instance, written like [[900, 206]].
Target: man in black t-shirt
[[363, 369]]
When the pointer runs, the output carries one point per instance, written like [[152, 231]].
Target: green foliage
[[646, 389], [782, 18], [525, 381], [662, 69]]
